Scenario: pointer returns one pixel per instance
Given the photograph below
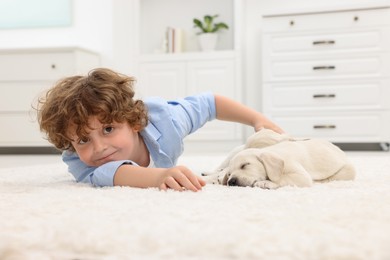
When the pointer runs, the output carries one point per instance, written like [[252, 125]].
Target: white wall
[[92, 28]]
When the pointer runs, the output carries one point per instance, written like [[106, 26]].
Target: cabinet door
[[218, 77], [163, 79], [20, 129], [214, 76], [17, 114]]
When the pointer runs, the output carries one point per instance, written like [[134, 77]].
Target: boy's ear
[[136, 128]]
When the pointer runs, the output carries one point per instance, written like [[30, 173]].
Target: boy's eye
[[108, 129], [83, 141]]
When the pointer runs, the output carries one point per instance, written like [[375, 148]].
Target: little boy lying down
[[109, 138]]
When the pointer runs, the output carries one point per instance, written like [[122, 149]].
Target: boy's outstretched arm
[[230, 110], [176, 178]]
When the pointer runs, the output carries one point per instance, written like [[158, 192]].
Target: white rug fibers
[[44, 214]]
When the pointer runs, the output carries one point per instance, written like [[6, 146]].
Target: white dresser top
[[327, 8], [45, 49]]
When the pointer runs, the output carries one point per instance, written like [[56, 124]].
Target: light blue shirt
[[169, 123]]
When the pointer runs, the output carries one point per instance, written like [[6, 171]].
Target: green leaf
[[208, 25], [220, 26]]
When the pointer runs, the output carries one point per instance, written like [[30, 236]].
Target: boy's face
[[106, 143]]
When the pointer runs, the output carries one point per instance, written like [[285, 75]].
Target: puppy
[[296, 163], [263, 138]]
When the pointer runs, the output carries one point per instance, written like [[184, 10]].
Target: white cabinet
[[24, 76], [189, 75], [327, 74]]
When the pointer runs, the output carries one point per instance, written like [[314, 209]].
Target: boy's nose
[[99, 146]]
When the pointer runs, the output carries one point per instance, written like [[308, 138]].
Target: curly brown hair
[[73, 100]]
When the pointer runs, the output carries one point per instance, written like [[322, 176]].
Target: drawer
[[21, 96], [36, 66], [328, 68], [45, 64], [368, 95], [326, 21], [23, 128], [317, 43], [357, 127]]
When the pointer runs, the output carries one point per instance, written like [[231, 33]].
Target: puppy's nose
[[233, 182]]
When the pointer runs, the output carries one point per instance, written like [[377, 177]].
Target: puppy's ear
[[273, 164]]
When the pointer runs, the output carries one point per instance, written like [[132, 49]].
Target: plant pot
[[208, 41]]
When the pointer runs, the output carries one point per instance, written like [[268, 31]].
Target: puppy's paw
[[215, 172], [211, 179], [208, 173], [266, 185]]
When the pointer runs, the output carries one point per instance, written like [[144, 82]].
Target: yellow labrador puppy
[[263, 138], [296, 163]]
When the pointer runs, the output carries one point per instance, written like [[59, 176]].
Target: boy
[[109, 138]]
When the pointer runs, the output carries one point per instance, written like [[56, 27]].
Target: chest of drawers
[[25, 74], [327, 74]]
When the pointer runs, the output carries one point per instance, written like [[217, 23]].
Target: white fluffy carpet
[[44, 214]]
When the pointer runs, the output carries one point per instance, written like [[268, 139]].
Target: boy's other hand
[[180, 178]]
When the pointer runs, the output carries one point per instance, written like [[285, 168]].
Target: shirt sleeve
[[192, 112], [97, 176]]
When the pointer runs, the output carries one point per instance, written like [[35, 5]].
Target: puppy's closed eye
[[242, 167]]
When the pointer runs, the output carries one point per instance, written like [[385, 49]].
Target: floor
[[8, 161]]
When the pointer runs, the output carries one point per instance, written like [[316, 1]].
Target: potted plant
[[208, 35]]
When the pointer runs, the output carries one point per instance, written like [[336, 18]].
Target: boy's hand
[[264, 122], [180, 178], [271, 126]]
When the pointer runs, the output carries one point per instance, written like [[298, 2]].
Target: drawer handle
[[329, 42], [324, 96], [53, 66], [324, 127], [324, 67]]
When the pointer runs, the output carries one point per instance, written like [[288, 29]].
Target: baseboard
[[363, 146], [200, 147], [29, 150]]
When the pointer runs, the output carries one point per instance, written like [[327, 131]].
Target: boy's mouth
[[106, 158]]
